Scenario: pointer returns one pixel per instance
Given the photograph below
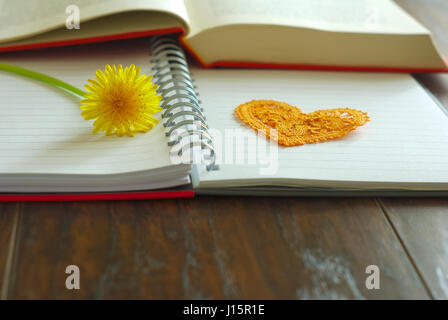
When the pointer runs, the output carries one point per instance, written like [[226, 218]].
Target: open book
[[374, 35], [47, 148]]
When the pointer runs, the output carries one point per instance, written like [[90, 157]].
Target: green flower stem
[[44, 78]]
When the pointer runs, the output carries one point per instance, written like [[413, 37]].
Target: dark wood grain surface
[[234, 247], [211, 247], [8, 226], [421, 226]]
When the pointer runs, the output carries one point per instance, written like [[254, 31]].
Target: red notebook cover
[[181, 192], [128, 35]]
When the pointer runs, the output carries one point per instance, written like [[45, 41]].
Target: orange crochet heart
[[296, 128]]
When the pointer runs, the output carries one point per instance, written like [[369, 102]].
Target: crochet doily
[[296, 128]]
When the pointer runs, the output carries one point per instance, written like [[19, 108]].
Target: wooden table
[[234, 247]]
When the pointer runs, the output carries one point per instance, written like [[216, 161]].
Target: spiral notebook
[[47, 151]]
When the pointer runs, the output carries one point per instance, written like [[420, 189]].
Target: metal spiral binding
[[181, 106]]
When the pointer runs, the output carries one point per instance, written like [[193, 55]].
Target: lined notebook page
[[406, 140], [41, 128]]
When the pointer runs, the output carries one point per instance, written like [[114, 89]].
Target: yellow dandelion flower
[[121, 100]]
